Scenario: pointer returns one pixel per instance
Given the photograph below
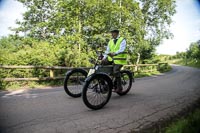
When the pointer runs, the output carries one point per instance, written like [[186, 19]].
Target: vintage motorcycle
[[97, 85]]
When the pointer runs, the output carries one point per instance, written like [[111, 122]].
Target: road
[[51, 111]]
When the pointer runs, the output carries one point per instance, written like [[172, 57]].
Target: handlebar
[[100, 56]]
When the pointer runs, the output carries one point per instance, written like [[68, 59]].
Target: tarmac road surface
[[151, 99]]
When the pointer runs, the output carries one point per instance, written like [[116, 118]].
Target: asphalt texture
[[150, 100]]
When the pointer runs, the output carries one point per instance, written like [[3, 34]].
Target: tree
[[194, 51], [86, 23], [35, 21], [157, 17]]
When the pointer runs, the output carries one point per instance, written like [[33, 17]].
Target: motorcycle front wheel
[[97, 91]]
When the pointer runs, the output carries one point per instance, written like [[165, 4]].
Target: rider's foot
[[104, 89], [118, 89]]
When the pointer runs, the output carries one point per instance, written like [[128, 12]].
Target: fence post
[[51, 73], [136, 68], [158, 67], [137, 62]]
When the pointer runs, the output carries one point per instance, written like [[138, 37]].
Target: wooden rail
[[53, 68], [38, 67]]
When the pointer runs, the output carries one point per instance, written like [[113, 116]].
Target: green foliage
[[39, 53], [164, 67], [143, 23], [146, 74], [183, 62], [194, 51], [43, 53], [31, 53], [189, 124], [153, 60], [164, 58], [157, 17], [189, 58]]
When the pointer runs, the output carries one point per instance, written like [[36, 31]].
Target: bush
[[164, 67]]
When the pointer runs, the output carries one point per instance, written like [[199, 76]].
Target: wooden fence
[[52, 76]]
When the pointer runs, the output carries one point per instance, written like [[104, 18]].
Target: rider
[[116, 49]]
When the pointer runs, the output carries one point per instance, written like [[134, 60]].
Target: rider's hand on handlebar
[[103, 61], [111, 54]]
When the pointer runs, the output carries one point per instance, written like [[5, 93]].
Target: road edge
[[159, 126]]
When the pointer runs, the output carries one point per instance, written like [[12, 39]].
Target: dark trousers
[[116, 73]]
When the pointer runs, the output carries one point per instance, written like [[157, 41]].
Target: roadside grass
[[188, 124], [162, 69], [182, 62], [146, 74], [11, 86]]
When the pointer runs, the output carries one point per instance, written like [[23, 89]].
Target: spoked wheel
[[74, 82], [126, 79], [97, 91]]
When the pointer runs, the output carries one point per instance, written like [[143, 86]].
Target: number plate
[[91, 71]]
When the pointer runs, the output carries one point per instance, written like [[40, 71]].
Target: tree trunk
[[137, 62]]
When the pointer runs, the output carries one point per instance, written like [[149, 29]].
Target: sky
[[186, 25], [10, 10]]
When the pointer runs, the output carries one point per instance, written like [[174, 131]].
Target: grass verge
[[182, 62], [11, 86], [146, 74], [188, 124], [186, 121]]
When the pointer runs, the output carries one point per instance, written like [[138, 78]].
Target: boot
[[119, 85]]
